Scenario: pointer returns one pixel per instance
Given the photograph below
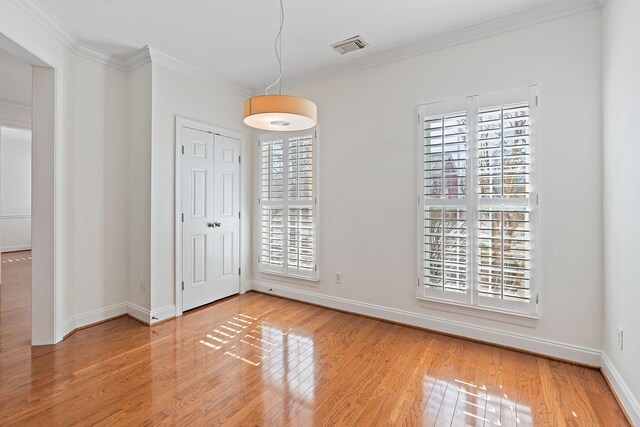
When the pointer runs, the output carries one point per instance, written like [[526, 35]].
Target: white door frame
[[182, 122]]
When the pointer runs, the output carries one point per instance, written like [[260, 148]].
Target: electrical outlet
[[141, 285], [338, 277], [620, 339]]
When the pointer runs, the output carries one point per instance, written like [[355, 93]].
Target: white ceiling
[[15, 79], [234, 39]]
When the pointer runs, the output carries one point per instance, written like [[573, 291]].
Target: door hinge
[[537, 199], [239, 159], [418, 282], [536, 100], [537, 298], [182, 217], [238, 214], [315, 267], [239, 271], [183, 149], [183, 285]]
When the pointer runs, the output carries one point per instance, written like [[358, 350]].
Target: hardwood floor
[[260, 360]]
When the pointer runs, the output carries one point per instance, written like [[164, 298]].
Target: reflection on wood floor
[[260, 360]]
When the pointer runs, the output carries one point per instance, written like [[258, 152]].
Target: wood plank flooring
[[260, 360]]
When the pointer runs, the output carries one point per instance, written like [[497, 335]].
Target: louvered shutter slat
[[445, 156], [272, 235], [301, 238], [445, 248]]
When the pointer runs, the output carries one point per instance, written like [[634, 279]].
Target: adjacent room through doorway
[[15, 201]]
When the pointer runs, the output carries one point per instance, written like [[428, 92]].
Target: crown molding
[[125, 63], [137, 59], [497, 26], [43, 17], [172, 63]]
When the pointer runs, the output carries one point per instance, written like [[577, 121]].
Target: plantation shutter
[[301, 230], [506, 202], [272, 175], [288, 206], [445, 258], [477, 201]]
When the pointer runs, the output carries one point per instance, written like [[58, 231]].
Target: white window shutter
[[288, 244], [478, 201], [444, 253], [505, 247]]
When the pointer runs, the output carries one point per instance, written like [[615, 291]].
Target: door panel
[[227, 253], [227, 194], [197, 206], [226, 209], [211, 227], [199, 260], [199, 199]]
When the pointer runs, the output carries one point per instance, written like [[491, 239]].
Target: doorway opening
[[28, 298]]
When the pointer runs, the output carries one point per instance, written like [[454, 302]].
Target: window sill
[[291, 278], [489, 313]]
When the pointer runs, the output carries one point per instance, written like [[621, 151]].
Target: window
[[288, 205], [478, 201]]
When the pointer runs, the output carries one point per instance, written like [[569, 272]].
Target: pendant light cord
[[277, 47]]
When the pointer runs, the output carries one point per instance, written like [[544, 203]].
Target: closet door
[[210, 227]]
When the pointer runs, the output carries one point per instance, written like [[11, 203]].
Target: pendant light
[[278, 112]]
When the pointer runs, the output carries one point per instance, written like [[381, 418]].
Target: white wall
[[368, 183], [15, 91], [139, 177], [621, 59], [177, 95], [15, 115], [97, 196], [15, 79], [15, 189]]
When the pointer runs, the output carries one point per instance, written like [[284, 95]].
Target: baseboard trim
[[163, 314], [621, 391], [139, 313], [92, 318], [15, 248], [552, 349], [101, 315]]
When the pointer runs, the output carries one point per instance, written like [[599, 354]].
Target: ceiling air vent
[[349, 45]]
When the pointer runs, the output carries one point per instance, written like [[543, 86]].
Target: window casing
[[288, 204], [478, 202]]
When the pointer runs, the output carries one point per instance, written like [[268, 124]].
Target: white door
[[210, 227], [226, 213]]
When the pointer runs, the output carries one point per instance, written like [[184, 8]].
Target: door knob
[[214, 224]]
